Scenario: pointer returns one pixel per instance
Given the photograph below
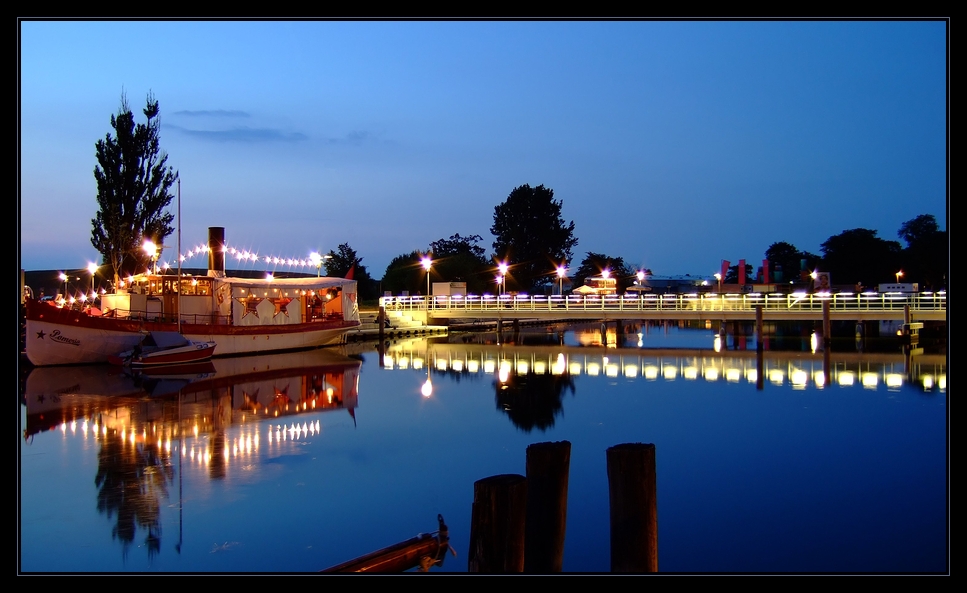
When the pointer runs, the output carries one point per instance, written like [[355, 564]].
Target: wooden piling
[[634, 507], [497, 521], [548, 466]]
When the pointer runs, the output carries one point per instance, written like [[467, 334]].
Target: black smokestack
[[216, 251]]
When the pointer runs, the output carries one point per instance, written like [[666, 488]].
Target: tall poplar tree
[[133, 190]]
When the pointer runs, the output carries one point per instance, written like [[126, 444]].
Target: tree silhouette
[[531, 235], [133, 190]]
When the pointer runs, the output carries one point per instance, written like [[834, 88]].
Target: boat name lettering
[[56, 336]]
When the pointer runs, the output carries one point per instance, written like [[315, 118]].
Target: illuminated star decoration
[[280, 305], [251, 303]]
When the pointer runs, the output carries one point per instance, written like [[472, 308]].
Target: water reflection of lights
[[777, 369]]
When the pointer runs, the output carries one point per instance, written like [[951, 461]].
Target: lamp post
[[502, 267], [92, 268], [427, 263], [899, 274], [718, 276], [152, 251], [316, 260], [63, 278], [561, 271]]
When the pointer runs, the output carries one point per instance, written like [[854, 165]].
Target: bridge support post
[[826, 325], [548, 465], [759, 345]]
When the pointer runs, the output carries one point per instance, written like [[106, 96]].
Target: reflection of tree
[[532, 400], [132, 478]]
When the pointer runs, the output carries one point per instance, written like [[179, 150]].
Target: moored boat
[[240, 315], [164, 348]]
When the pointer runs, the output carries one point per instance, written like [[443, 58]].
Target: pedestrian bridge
[[867, 306]]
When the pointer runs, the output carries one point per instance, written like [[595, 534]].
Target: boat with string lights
[[240, 315]]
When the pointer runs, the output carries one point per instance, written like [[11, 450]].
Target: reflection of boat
[[271, 385], [241, 315], [164, 348]]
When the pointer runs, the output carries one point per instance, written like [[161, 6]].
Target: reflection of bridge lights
[[574, 368], [402, 362], [870, 380], [894, 380], [799, 378], [927, 381], [559, 365], [717, 343], [846, 378], [522, 367], [752, 375], [733, 375], [441, 364], [690, 372], [711, 374], [593, 369], [776, 376], [504, 374], [669, 372], [473, 366], [418, 362], [631, 371], [427, 389], [611, 370], [489, 366], [942, 382], [651, 372], [819, 379], [813, 342], [388, 361], [457, 365]]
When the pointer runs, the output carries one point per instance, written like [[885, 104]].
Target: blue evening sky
[[671, 144]]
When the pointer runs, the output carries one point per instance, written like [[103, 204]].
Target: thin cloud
[[213, 113], [356, 137], [243, 134]]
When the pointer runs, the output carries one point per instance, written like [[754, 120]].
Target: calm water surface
[[299, 462]]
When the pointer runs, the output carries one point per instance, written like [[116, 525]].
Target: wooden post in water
[[634, 507], [548, 466], [497, 524]]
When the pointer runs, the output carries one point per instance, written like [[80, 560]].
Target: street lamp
[[427, 262], [561, 271], [718, 276], [92, 268], [898, 275], [152, 250], [502, 267], [63, 278], [499, 279], [316, 260]]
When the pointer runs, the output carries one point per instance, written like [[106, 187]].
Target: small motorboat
[[164, 348]]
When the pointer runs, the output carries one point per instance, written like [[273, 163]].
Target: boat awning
[[165, 339]]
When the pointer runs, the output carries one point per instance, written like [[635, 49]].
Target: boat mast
[[179, 255]]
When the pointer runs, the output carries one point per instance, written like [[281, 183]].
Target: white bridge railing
[[795, 302]]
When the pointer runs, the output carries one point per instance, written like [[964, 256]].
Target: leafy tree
[[460, 259], [133, 190], [858, 255], [404, 272], [340, 262], [593, 265], [531, 236], [732, 275], [927, 256], [786, 258]]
